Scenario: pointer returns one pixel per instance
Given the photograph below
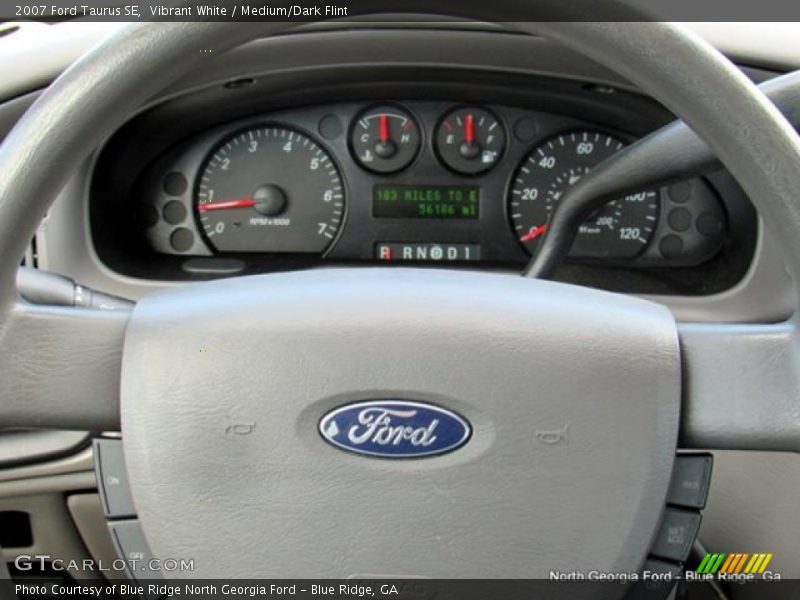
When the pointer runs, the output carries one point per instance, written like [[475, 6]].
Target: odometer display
[[270, 189], [426, 201], [621, 229]]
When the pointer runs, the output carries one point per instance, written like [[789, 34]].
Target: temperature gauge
[[470, 140], [385, 139]]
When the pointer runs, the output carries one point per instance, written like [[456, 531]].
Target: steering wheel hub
[[572, 396]]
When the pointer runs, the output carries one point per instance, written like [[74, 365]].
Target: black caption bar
[[260, 10], [378, 589]]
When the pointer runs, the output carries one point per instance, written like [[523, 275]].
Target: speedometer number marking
[[621, 229]]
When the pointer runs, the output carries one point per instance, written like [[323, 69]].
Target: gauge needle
[[469, 129], [225, 204], [534, 233], [383, 121]]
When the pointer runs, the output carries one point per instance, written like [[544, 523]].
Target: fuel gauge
[[385, 139], [470, 140]]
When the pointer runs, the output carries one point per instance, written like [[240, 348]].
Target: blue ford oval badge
[[394, 428]]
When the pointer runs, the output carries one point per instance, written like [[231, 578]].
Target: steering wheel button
[[676, 534], [112, 479], [691, 476], [132, 547]]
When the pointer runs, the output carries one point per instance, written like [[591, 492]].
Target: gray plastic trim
[[41, 51], [773, 45], [87, 513], [81, 462], [54, 534], [26, 446]]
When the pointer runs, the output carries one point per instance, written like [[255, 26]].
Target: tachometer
[[270, 189], [621, 229]]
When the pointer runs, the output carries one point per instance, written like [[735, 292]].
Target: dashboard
[[408, 182], [402, 166], [412, 182]]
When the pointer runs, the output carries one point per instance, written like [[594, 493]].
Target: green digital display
[[426, 201]]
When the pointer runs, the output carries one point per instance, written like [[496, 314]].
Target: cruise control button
[[132, 547], [676, 535], [112, 479], [691, 477]]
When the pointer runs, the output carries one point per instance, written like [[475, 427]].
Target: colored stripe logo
[[734, 563]]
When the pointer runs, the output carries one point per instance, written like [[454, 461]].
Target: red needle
[[225, 204], [534, 233], [469, 129], [384, 125]]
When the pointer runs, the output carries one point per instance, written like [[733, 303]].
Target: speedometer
[[270, 189], [620, 229]]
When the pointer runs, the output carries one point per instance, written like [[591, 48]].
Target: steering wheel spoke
[[60, 367], [741, 387]]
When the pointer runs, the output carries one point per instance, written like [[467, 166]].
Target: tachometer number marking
[[268, 189]]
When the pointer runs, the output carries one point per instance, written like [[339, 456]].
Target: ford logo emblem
[[394, 429]]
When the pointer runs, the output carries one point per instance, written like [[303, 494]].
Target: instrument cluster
[[411, 182]]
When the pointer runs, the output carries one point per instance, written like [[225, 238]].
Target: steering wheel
[[223, 384]]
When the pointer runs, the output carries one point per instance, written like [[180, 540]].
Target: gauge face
[[621, 229], [270, 189], [470, 140], [385, 139]]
